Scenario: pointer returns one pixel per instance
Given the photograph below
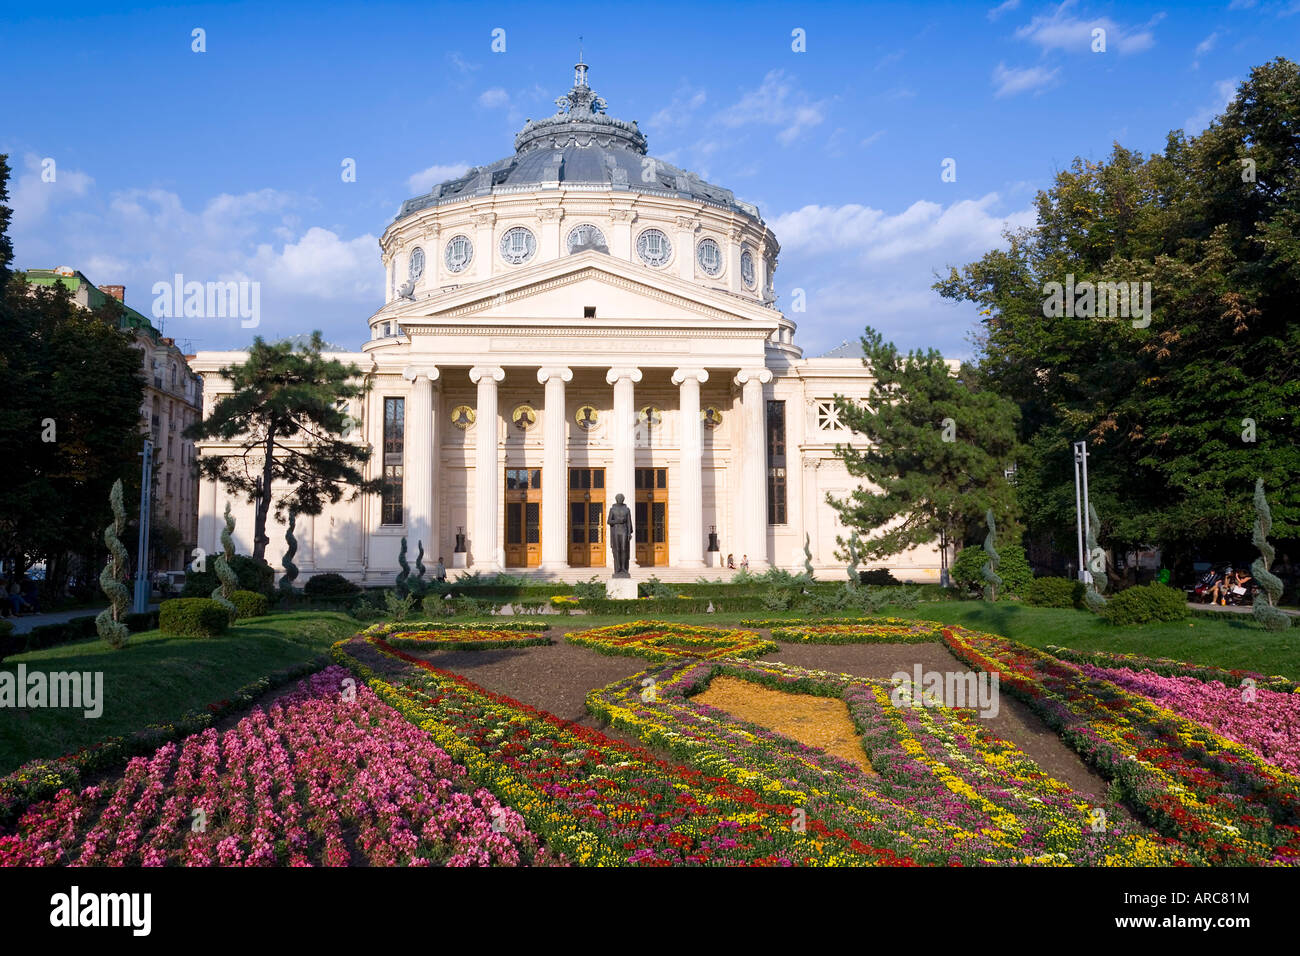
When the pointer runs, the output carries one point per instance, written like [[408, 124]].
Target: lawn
[[158, 679]]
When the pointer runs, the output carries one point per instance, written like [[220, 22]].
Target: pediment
[[559, 290]]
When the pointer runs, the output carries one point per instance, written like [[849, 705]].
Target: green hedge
[[253, 575], [249, 604], [1054, 592], [193, 617], [63, 632], [329, 586], [1013, 568], [1145, 603]]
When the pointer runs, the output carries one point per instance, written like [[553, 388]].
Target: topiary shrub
[[1013, 569], [193, 617], [1054, 592], [1144, 604], [330, 586], [251, 575], [249, 604]]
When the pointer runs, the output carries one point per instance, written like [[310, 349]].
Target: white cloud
[[1011, 80], [494, 98], [30, 196], [1060, 31], [860, 265], [680, 111], [1206, 45], [1224, 92], [776, 102], [1002, 8], [320, 265], [425, 179]]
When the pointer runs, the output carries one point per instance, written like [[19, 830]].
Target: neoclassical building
[[575, 321]]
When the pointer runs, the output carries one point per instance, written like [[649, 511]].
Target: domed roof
[[579, 146]]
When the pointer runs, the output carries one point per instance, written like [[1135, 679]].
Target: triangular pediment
[[559, 290]]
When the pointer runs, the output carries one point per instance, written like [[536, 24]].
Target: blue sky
[[226, 164]]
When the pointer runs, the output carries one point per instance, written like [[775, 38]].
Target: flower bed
[[503, 627], [604, 802], [294, 785], [944, 791], [1207, 791], [1263, 720], [467, 639], [888, 631], [659, 641], [1173, 668]]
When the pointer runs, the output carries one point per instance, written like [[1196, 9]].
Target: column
[[485, 545], [753, 445], [418, 468], [555, 478], [621, 477], [690, 519]]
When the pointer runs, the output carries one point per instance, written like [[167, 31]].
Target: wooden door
[[651, 517], [523, 503], [586, 517]]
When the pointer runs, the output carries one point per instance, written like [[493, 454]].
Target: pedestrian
[[440, 571], [744, 562]]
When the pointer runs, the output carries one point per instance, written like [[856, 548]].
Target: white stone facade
[[651, 374]]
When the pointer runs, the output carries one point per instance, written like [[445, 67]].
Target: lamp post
[[141, 601]]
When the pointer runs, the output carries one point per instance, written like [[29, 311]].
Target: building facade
[[172, 400], [576, 321]]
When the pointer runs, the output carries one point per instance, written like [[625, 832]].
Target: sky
[[227, 163]]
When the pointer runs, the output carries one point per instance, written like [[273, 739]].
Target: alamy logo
[[951, 689], [1101, 300], [80, 690], [209, 300], [74, 909]]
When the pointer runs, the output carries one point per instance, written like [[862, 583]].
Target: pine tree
[[938, 446], [285, 416]]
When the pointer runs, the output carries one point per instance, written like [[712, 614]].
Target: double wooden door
[[651, 517], [586, 517], [523, 503]]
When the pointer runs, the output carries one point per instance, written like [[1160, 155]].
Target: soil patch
[[820, 722]]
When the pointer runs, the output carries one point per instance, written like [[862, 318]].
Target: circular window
[[747, 267], [460, 253], [524, 416], [518, 245], [653, 247], [462, 416], [416, 268], [584, 237], [709, 256], [587, 417]]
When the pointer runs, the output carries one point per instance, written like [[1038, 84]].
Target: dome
[[579, 146]]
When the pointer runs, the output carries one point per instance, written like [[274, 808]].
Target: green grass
[[157, 679]]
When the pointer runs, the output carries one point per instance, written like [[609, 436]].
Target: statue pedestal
[[620, 589], [458, 559]]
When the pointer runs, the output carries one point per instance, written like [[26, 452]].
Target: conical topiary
[[990, 570], [418, 585], [807, 556], [111, 622], [1270, 586], [404, 573]]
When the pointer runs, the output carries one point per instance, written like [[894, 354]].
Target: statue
[[620, 535]]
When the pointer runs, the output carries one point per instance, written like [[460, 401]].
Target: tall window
[[394, 435], [775, 462]]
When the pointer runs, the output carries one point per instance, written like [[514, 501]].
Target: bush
[[1054, 592], [253, 575], [1145, 603], [436, 606], [330, 586], [879, 577], [193, 617], [1013, 569], [249, 604]]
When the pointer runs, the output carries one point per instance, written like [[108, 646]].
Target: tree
[[1205, 395], [285, 417], [938, 447], [69, 422]]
